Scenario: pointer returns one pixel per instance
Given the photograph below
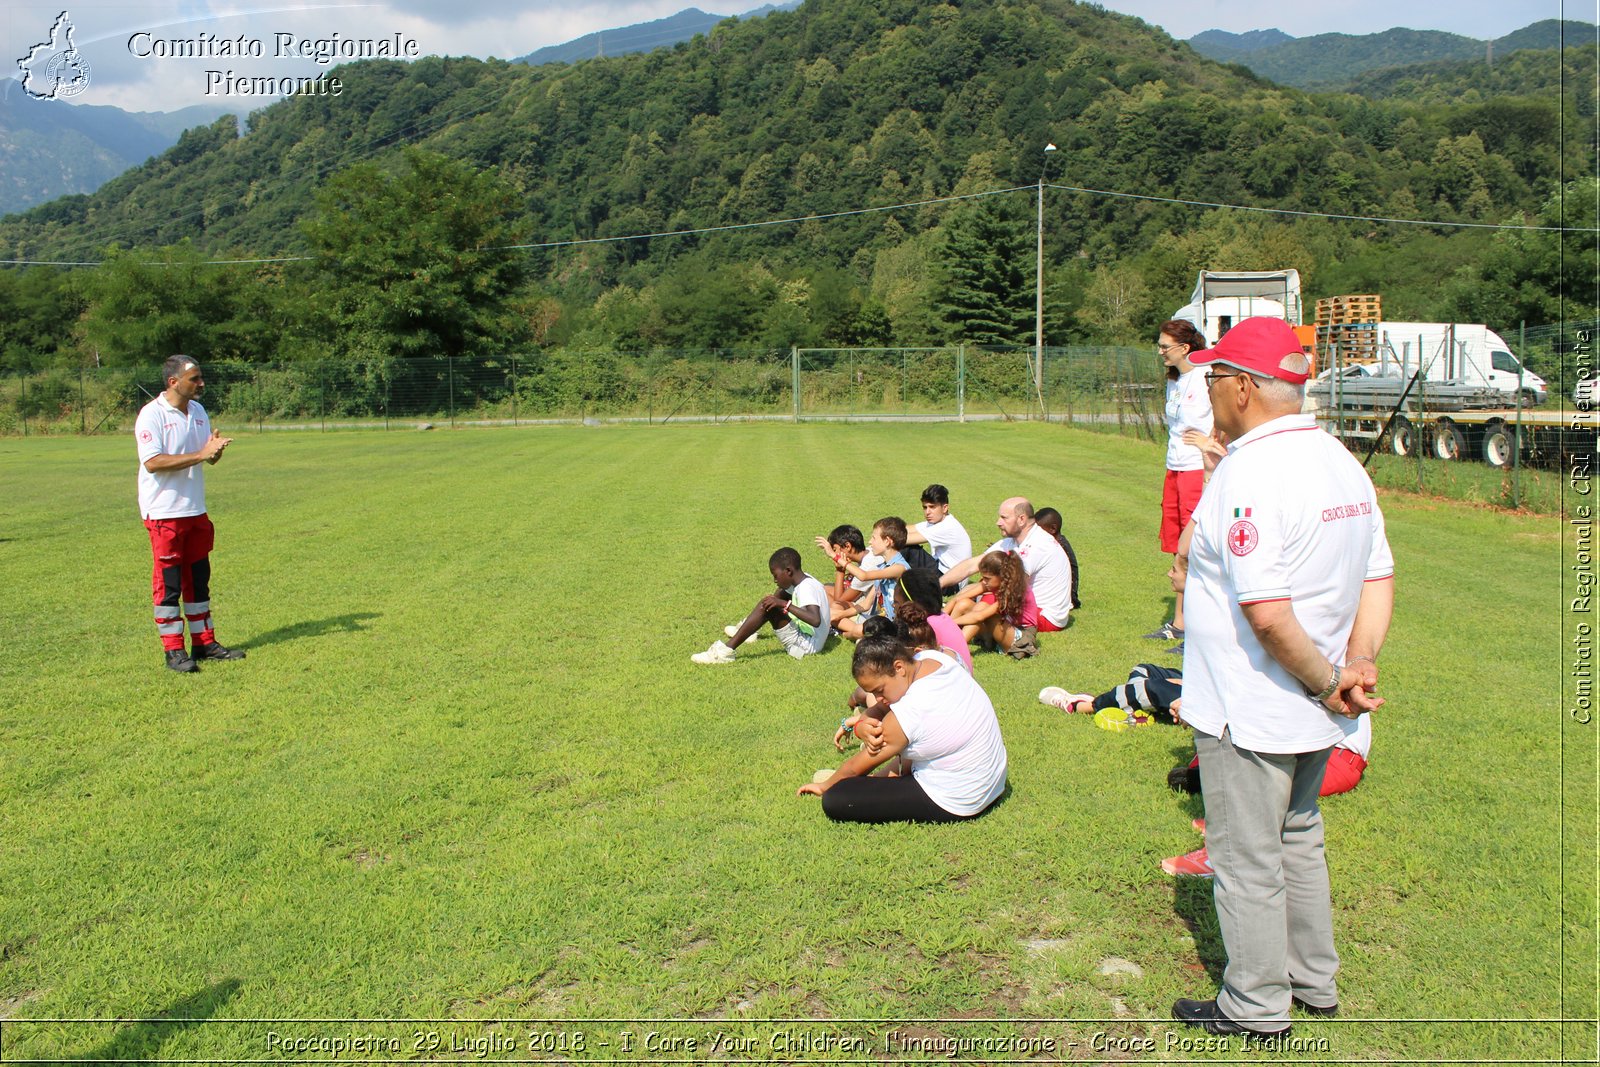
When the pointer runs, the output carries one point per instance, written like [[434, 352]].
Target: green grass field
[[468, 773]]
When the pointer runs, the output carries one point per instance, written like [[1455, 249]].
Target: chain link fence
[[1114, 387]]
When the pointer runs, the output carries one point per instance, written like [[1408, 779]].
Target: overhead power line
[[909, 205], [1323, 214]]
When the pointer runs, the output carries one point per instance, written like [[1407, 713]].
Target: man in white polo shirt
[[1290, 592], [175, 440], [1043, 559]]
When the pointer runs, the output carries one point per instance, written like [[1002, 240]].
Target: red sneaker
[[1195, 864]]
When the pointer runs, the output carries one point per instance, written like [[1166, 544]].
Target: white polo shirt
[[1288, 515], [163, 430], [952, 738], [1048, 569], [948, 541], [1188, 408]]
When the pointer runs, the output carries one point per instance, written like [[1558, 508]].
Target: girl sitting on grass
[[921, 623], [998, 606], [939, 721]]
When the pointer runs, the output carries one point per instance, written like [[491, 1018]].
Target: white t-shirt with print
[[807, 594], [163, 430]]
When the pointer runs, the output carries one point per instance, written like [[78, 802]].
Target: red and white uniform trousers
[[181, 580]]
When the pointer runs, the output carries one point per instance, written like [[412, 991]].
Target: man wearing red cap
[[1290, 592]]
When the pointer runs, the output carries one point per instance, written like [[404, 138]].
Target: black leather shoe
[[1207, 1016], [1311, 1009], [1184, 779], [216, 651], [178, 660]]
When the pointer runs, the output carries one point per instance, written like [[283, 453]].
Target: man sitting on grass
[[1043, 560], [797, 613]]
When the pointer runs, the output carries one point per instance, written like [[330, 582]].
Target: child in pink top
[[999, 606]]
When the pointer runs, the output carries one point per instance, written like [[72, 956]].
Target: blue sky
[[508, 28]]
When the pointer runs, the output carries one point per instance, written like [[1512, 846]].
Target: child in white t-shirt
[[797, 613], [850, 600], [944, 535]]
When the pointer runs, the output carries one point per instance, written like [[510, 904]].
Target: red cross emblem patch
[[144, 435], [1242, 538]]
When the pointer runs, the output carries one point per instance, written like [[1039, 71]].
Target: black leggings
[[879, 799]]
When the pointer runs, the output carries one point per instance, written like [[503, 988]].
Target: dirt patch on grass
[[12, 949], [9, 1005], [367, 859]]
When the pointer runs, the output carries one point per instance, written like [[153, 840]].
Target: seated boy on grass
[[849, 598], [945, 537], [1049, 520], [797, 613], [888, 541]]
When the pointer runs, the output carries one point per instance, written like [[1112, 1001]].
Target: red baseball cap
[[1261, 346]]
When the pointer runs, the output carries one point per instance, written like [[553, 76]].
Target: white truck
[[1223, 297]]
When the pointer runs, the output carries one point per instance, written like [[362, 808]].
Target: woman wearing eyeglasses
[[1188, 412]]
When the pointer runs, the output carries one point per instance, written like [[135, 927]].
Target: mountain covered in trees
[[853, 172], [1334, 60]]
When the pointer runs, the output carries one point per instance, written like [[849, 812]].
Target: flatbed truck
[[1547, 438]]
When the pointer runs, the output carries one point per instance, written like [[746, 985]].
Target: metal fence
[[1116, 387]]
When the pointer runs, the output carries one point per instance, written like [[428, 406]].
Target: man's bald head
[[1016, 514]]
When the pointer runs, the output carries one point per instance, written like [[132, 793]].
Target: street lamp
[[1038, 286]]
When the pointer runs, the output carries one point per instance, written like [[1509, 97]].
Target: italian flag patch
[[1241, 513]]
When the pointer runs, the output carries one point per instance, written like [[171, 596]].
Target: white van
[[1457, 352]]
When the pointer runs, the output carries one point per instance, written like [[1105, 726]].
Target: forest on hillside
[[466, 207]]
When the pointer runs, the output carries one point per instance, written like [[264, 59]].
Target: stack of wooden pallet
[[1349, 325]]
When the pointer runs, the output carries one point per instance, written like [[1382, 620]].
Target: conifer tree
[[987, 294]]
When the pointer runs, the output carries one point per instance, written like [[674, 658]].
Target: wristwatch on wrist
[[1329, 689]]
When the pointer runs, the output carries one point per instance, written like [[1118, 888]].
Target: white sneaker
[[717, 653], [733, 628], [1058, 697]]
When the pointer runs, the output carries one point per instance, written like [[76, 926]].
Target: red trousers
[[182, 551], [1343, 774]]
